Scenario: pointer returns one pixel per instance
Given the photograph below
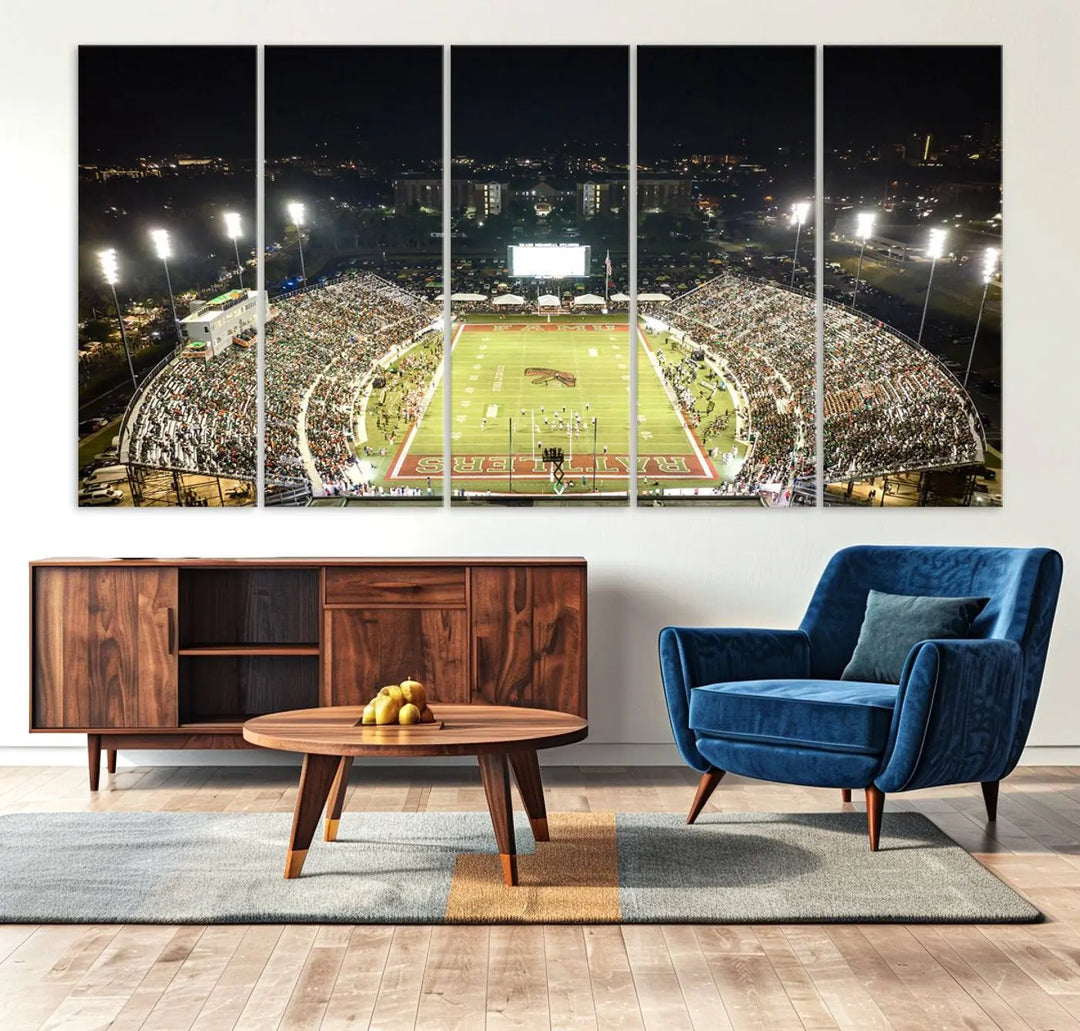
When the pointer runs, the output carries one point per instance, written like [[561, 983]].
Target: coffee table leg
[[496, 778], [526, 769], [315, 778], [337, 797]]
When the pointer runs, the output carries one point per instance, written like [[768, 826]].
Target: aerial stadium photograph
[[354, 334], [726, 240], [541, 351], [166, 270], [913, 210]]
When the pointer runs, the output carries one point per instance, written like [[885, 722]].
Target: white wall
[[647, 567]]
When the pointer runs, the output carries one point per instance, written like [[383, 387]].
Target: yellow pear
[[386, 709], [393, 691], [409, 714], [369, 714], [413, 691]]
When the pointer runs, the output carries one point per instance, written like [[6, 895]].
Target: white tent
[[549, 301], [588, 299], [468, 297], [620, 298], [662, 298], [505, 299]]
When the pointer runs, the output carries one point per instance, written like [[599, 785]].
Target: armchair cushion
[[895, 623], [830, 715]]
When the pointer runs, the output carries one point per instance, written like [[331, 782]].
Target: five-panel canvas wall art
[[724, 276]]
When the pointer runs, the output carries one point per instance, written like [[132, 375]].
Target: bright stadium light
[[864, 228], [232, 227], [110, 270], [864, 224], [109, 267], [989, 269], [798, 216], [935, 248], [164, 252], [296, 216], [161, 243]]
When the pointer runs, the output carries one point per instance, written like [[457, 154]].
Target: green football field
[[523, 384]]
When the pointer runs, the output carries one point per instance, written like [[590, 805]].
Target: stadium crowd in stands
[[889, 405], [321, 346]]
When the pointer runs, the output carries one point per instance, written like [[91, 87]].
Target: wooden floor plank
[[517, 995], [402, 978], [453, 996], [569, 989], [356, 987], [659, 993], [612, 982]]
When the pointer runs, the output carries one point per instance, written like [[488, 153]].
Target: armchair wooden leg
[[845, 794], [990, 797], [875, 804], [706, 786]]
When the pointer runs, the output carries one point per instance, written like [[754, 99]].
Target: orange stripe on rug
[[573, 878]]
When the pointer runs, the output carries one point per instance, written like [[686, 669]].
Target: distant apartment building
[[482, 199], [674, 196]]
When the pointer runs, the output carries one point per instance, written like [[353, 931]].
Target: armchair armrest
[[956, 714], [692, 656]]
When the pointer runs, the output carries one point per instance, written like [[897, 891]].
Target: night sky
[[714, 99], [880, 94], [158, 101], [519, 101], [370, 102]]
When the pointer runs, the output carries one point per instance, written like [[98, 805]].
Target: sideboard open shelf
[[178, 653]]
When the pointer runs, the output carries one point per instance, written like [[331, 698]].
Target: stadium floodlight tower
[[164, 252], [864, 228], [232, 227], [990, 264], [296, 215], [798, 216], [935, 248], [110, 272]]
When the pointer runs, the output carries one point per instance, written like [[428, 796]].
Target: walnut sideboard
[[178, 653]]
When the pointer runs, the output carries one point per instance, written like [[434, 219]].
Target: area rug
[[212, 868]]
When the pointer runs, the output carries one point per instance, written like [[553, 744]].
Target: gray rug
[[176, 868]]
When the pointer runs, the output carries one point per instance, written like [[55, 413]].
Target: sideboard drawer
[[395, 585]]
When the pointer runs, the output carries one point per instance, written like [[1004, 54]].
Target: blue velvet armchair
[[771, 704]]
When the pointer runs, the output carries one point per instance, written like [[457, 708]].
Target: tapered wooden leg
[[110, 759], [706, 786], [526, 769], [315, 779], [845, 794], [990, 797], [337, 797], [93, 754], [496, 778], [875, 805]]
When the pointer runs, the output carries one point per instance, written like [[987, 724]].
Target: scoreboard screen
[[548, 260]]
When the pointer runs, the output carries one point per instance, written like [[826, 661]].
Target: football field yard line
[[708, 472], [399, 460]]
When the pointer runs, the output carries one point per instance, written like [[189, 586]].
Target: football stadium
[[540, 405]]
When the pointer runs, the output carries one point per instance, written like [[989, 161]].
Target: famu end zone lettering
[[612, 466]]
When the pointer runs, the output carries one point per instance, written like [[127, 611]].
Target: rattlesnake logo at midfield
[[567, 379]]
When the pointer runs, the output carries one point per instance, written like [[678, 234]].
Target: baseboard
[[587, 753]]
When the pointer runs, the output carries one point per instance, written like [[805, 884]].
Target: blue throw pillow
[[895, 623]]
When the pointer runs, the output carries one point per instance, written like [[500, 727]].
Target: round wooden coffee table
[[498, 735]]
